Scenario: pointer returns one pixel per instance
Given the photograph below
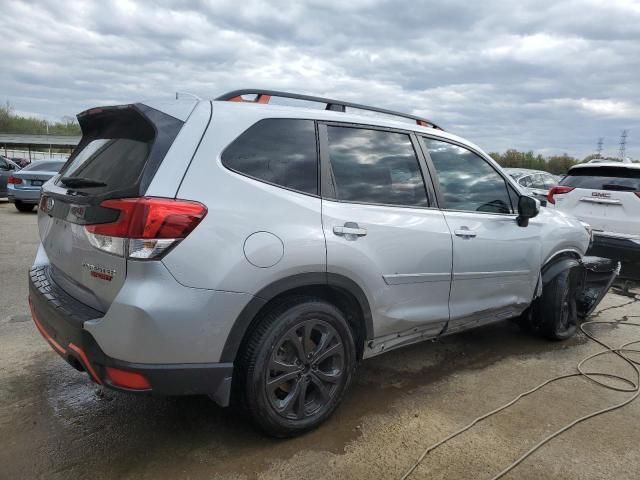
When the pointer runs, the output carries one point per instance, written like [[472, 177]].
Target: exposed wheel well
[[561, 256], [344, 300]]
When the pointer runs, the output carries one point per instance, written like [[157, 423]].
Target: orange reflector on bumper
[[126, 379]]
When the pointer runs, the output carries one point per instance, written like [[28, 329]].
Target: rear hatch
[[120, 151], [605, 196]]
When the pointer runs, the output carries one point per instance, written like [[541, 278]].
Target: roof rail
[[264, 96]]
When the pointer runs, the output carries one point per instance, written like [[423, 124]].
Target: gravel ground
[[54, 423]]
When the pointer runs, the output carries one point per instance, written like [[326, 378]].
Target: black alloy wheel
[[295, 366], [305, 370]]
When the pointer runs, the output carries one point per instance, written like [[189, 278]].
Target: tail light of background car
[[14, 180], [557, 190], [146, 227]]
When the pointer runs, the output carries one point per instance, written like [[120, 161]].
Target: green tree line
[[556, 164], [11, 122]]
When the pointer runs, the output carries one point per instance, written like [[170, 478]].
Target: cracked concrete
[[56, 424]]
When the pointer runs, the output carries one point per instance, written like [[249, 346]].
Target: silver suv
[[256, 253]]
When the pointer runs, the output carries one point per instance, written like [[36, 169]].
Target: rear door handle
[[465, 233], [350, 229]]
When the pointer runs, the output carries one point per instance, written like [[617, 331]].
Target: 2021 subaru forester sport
[[256, 252]]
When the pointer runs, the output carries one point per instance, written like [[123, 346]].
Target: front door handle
[[464, 232], [349, 229]]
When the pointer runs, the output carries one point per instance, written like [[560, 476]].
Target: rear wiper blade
[[79, 182]]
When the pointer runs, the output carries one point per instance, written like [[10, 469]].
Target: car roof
[[35, 164], [634, 166], [269, 110], [524, 171]]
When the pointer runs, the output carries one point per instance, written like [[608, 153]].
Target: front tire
[[296, 366], [24, 207], [556, 311]]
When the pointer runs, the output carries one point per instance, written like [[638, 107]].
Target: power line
[[623, 145]]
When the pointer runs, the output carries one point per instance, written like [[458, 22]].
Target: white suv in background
[[607, 197]]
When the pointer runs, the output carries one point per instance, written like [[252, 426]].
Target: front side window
[[280, 151], [375, 166], [466, 180]]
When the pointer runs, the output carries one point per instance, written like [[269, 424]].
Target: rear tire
[[556, 312], [24, 207], [296, 366]]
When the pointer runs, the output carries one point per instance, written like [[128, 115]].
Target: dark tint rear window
[[44, 166], [604, 178], [278, 151], [122, 148]]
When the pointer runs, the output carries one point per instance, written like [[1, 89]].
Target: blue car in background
[[24, 186]]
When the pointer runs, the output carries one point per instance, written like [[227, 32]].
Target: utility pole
[[623, 145], [599, 147]]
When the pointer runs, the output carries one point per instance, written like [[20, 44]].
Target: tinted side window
[[466, 180], [373, 166], [515, 198], [538, 181], [525, 181], [278, 151], [549, 181]]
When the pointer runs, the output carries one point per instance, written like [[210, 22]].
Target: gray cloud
[[543, 75]]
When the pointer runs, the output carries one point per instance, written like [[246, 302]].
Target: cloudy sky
[[551, 76]]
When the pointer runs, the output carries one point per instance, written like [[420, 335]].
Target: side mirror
[[528, 207]]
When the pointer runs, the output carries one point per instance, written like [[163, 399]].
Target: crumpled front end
[[600, 274]]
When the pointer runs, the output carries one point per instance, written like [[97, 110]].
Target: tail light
[[14, 180], [146, 227], [637, 194], [557, 190]]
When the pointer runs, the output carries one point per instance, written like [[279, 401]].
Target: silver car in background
[[7, 168], [536, 183], [24, 186]]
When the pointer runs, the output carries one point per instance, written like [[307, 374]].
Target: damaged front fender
[[599, 274]]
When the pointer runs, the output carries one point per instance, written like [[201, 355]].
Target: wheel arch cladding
[[346, 294], [558, 264]]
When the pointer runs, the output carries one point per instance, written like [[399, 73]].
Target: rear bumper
[[623, 249], [60, 319], [24, 195]]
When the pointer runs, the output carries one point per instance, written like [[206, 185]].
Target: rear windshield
[[44, 166], [604, 178], [120, 150]]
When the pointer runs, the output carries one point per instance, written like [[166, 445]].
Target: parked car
[[536, 182], [7, 168], [607, 196], [21, 162], [256, 253], [24, 187]]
